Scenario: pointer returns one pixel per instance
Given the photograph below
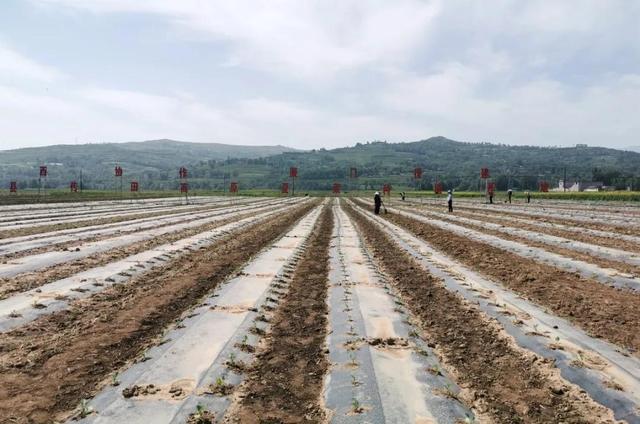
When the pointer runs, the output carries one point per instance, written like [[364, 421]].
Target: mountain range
[[456, 164]]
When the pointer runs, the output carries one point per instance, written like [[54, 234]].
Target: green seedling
[[199, 410], [469, 419], [145, 356], [85, 409], [356, 408], [352, 359], [448, 392], [257, 330], [114, 379], [201, 416]]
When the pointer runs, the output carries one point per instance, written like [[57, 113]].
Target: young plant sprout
[[356, 408], [85, 409]]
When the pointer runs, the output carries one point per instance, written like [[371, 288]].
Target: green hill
[[153, 163], [456, 164]]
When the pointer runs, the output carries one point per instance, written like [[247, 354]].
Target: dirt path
[[503, 382], [285, 382], [602, 311], [31, 280], [50, 365]]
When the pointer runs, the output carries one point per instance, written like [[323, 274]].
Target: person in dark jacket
[[377, 202]]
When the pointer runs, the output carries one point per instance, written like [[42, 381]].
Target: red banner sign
[[386, 189], [544, 186], [233, 187], [336, 188], [13, 187], [184, 188], [285, 187], [484, 173], [134, 186], [437, 188], [73, 186], [182, 172], [353, 173], [417, 173], [293, 172], [43, 171], [118, 171]]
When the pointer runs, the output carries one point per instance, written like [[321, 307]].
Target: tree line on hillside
[[454, 164]]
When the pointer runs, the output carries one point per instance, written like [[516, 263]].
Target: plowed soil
[[567, 252], [285, 382], [614, 228], [31, 280], [505, 383], [611, 241], [49, 365], [605, 312], [39, 229], [72, 244]]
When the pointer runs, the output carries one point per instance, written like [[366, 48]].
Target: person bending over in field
[[377, 202], [450, 200]]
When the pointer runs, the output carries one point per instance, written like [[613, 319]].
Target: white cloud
[[330, 73], [297, 38], [14, 67]]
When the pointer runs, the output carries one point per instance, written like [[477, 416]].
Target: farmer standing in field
[[509, 193], [377, 202], [528, 197], [450, 200]]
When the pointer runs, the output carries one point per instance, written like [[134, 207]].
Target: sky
[[310, 74]]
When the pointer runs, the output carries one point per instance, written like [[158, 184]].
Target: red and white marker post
[[353, 179], [233, 188], [42, 180], [118, 175], [417, 176], [484, 175], [13, 187], [184, 183], [293, 174], [543, 186]]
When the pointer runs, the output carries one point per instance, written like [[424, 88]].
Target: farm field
[[299, 309]]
